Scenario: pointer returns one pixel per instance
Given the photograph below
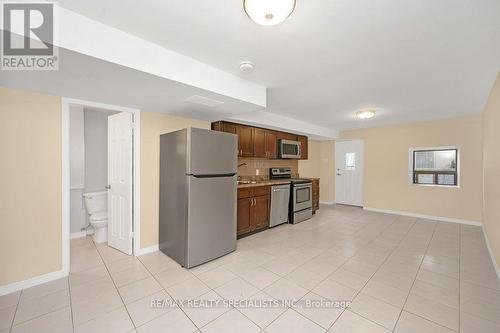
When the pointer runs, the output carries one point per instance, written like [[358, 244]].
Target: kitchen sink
[[242, 182]]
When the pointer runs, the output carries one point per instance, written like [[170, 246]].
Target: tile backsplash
[[258, 169]]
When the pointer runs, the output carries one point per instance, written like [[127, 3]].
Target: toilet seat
[[99, 216], [99, 224]]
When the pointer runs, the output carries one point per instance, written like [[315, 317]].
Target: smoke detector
[[246, 66]]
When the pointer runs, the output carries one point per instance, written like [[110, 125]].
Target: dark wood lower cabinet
[[260, 212], [244, 223], [253, 209], [315, 194]]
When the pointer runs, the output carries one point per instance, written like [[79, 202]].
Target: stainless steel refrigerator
[[198, 185]]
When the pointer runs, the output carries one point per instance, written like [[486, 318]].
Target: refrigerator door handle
[[232, 174]]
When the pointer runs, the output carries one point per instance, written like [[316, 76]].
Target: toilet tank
[[96, 202]]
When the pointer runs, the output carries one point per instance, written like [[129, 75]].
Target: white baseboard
[[495, 266], [34, 281], [146, 250], [77, 234], [421, 216], [327, 202]]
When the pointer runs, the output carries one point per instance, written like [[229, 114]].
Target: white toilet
[[96, 204]]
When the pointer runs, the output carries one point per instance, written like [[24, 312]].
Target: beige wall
[[152, 126], [30, 190], [491, 168], [386, 184], [320, 164]]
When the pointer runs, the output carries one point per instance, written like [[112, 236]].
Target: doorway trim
[[136, 217]]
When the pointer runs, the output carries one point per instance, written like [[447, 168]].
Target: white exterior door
[[349, 169], [120, 138]]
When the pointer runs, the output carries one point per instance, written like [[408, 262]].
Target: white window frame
[[410, 166]]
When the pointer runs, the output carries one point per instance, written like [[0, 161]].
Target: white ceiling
[[88, 78], [413, 60]]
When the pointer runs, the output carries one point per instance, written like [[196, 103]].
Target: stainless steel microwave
[[289, 149]]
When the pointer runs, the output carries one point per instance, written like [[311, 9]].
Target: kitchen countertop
[[265, 183]]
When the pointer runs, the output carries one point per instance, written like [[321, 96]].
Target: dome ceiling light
[[365, 114], [246, 66], [268, 12]]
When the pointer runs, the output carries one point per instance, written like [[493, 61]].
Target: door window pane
[[350, 161]]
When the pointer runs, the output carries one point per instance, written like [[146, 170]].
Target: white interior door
[[120, 138], [349, 169]]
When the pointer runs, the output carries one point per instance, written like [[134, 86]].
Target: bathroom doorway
[[100, 174]]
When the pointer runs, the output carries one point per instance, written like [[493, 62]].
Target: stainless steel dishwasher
[[280, 198]]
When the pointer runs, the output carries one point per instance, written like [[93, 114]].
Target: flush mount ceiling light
[[268, 12], [365, 114]]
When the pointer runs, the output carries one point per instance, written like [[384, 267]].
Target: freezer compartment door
[[212, 153], [211, 218]]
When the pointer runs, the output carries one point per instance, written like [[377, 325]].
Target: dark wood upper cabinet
[[259, 142], [272, 144], [231, 128], [303, 146], [286, 136], [245, 140], [265, 143]]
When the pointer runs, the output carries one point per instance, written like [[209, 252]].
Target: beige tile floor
[[401, 274]]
